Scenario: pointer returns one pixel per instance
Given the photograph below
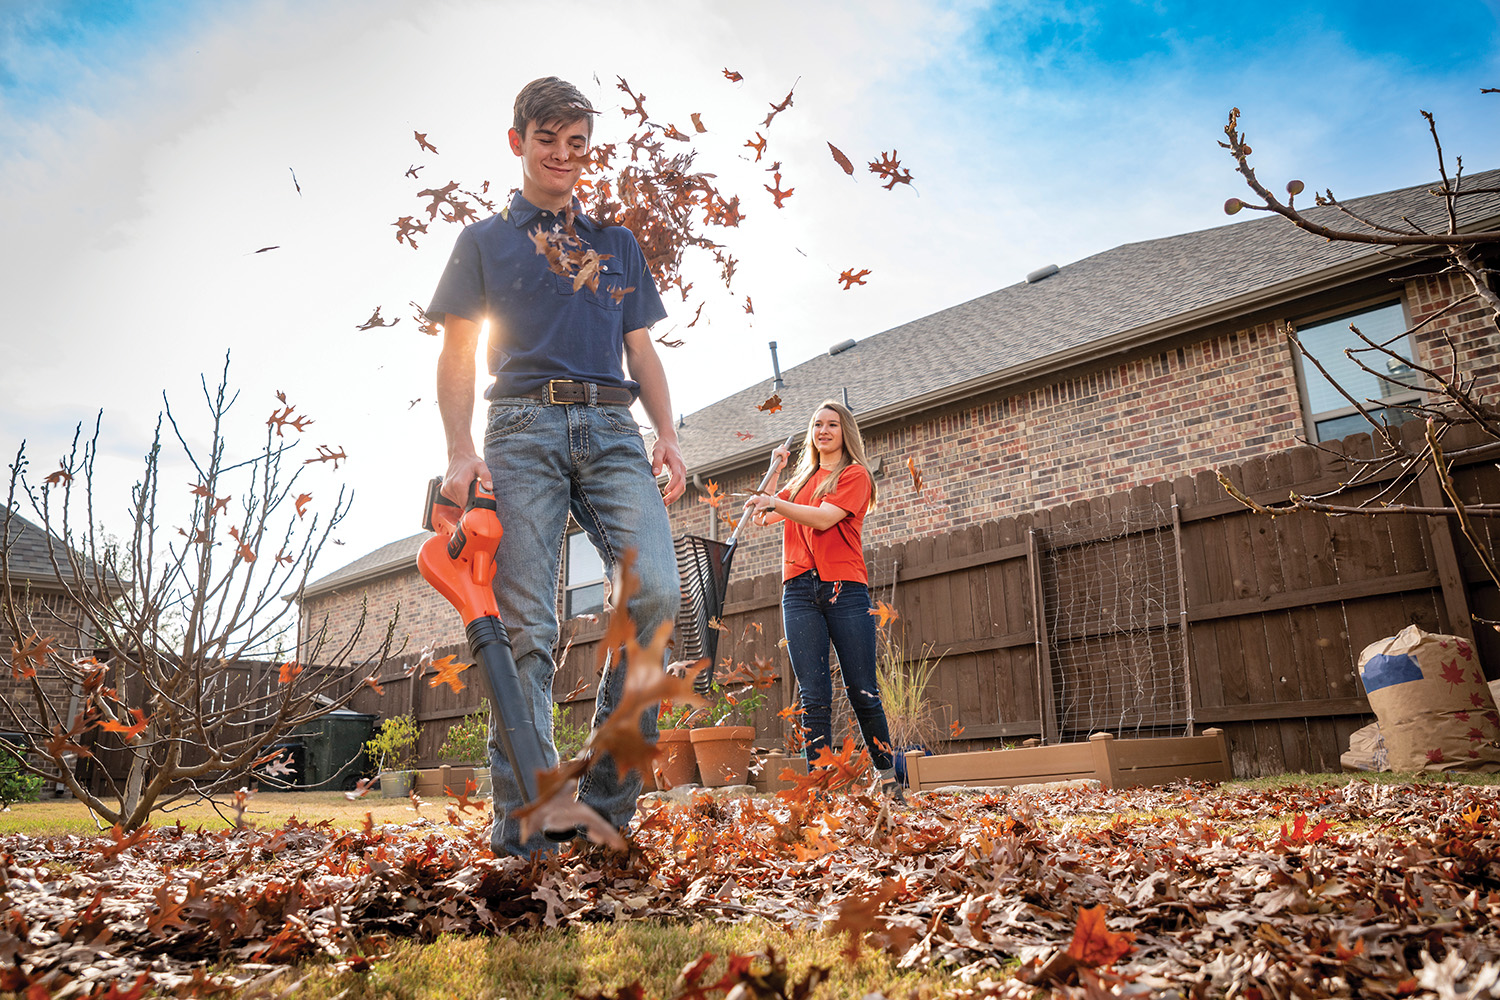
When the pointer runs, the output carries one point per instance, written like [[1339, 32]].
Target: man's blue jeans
[[813, 611], [547, 461]]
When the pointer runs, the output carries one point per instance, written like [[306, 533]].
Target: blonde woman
[[825, 585]]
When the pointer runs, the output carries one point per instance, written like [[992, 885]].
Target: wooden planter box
[[1115, 763]]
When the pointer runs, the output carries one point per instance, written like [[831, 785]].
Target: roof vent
[[1040, 273], [841, 346]]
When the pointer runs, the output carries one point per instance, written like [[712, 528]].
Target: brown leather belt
[[562, 390]]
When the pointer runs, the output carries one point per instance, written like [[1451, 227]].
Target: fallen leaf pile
[[1363, 890]]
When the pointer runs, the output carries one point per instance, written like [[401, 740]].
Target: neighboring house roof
[[25, 551], [399, 555], [1113, 301]]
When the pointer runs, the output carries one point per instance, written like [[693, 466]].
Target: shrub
[[16, 785], [394, 747], [468, 739]]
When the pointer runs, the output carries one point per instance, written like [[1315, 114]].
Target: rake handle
[[764, 482]]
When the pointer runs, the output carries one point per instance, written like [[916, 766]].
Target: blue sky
[[146, 150]]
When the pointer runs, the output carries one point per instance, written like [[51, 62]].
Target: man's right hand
[[462, 471]]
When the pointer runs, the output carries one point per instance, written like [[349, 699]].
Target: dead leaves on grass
[[1141, 892]]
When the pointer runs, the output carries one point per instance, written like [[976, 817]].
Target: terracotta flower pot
[[676, 765], [723, 754]]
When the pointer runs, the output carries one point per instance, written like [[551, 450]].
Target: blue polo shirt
[[540, 328]]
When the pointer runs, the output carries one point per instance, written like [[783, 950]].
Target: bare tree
[[173, 654], [1450, 396]]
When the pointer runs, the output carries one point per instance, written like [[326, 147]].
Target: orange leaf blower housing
[[459, 562]]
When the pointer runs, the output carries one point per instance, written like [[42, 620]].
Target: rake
[[703, 565]]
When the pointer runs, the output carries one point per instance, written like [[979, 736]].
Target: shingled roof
[[1116, 300], [388, 558], [24, 549]]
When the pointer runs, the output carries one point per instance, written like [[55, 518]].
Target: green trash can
[[334, 749]]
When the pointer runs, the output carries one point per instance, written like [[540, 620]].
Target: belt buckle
[[552, 391]]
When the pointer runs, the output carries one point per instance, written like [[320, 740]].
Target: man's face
[[552, 160]]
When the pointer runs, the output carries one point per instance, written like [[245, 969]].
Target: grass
[[50, 817], [602, 957]]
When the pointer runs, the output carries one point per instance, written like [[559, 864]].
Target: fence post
[[1043, 641], [1182, 614], [1445, 558]]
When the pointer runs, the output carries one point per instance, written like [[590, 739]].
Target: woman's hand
[[782, 456], [759, 506]]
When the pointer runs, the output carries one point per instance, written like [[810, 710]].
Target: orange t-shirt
[[837, 552]]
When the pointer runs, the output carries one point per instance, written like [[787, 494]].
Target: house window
[[583, 587], [1329, 414]]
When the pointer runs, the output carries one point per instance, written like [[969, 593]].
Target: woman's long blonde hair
[[854, 454]]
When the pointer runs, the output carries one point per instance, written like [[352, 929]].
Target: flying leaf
[[772, 405], [916, 475], [264, 249], [734, 77], [663, 341], [447, 673], [245, 551], [302, 501], [851, 277], [639, 99], [376, 320], [711, 496], [327, 454], [289, 671], [406, 227], [413, 170], [749, 306], [956, 729], [62, 475], [841, 159], [131, 732], [697, 118], [361, 789], [743, 435], [374, 685], [758, 144], [422, 142], [889, 169], [777, 109], [777, 194], [885, 613]]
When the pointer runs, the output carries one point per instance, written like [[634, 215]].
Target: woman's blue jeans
[[813, 612], [548, 461]]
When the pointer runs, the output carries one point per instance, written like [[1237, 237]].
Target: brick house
[[43, 607], [1146, 362]]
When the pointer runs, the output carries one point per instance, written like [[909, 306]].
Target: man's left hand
[[667, 454]]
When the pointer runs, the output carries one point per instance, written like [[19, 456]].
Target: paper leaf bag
[[1435, 709]]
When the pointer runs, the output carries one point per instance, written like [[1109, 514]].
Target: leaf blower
[[459, 562]]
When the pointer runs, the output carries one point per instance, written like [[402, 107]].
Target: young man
[[560, 437]]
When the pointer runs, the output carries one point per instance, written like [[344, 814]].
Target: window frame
[[1348, 312], [569, 587]]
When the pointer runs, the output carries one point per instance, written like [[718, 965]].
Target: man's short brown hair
[[550, 100]]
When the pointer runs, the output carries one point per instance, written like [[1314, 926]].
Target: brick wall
[[426, 619], [1156, 416], [1162, 414], [39, 612]]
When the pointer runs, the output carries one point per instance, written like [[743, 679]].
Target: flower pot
[[396, 784], [676, 765], [723, 754], [482, 788]]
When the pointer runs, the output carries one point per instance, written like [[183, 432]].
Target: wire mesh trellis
[[1112, 597]]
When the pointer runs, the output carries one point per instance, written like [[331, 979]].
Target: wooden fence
[[1159, 610]]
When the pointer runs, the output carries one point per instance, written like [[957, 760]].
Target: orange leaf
[[759, 146], [302, 500], [711, 496], [62, 475], [289, 671], [885, 613], [24, 660], [851, 277], [916, 475], [131, 732], [732, 76], [1094, 944], [447, 673], [772, 405]]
